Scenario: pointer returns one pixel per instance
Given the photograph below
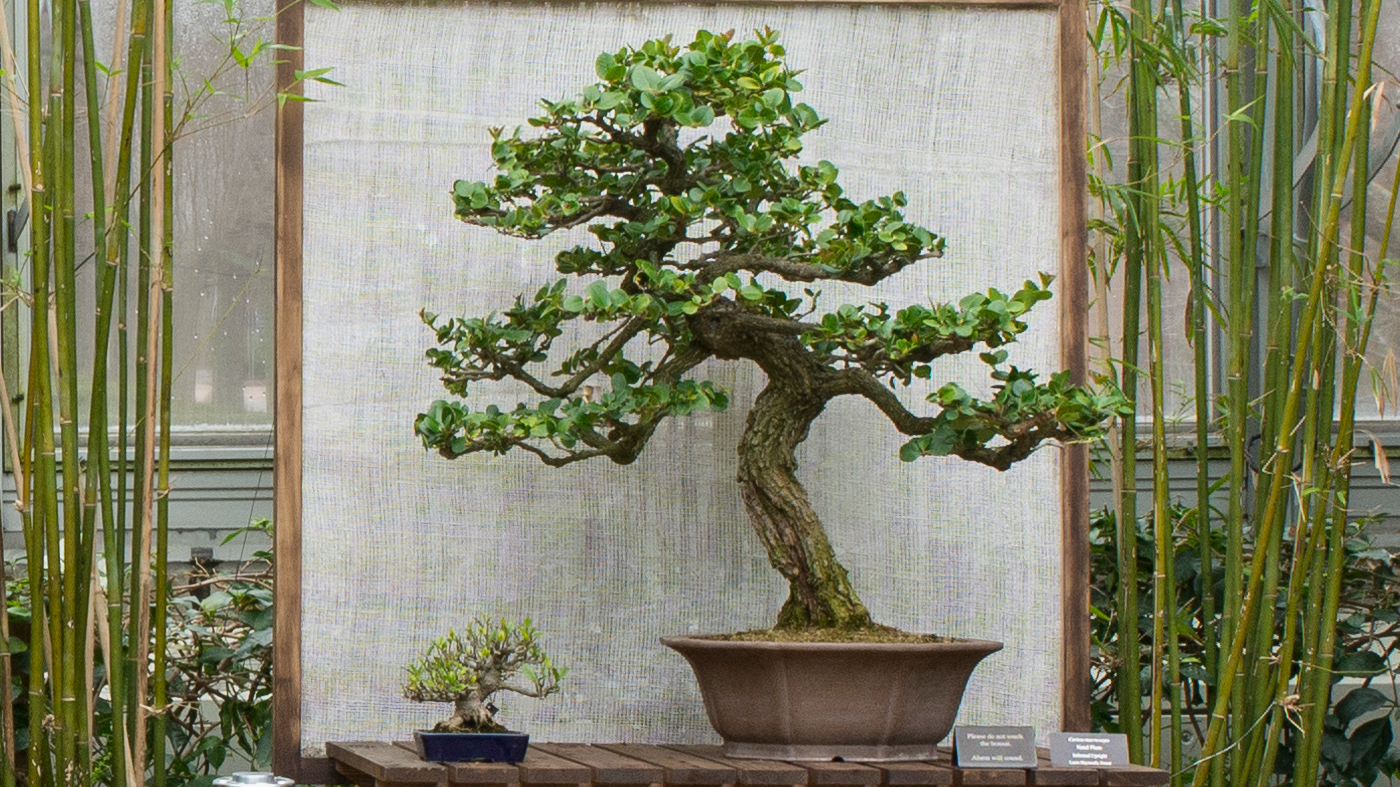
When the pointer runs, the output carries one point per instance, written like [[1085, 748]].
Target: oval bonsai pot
[[828, 700], [471, 746]]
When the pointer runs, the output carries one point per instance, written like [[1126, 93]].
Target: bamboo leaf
[[317, 75], [1385, 381], [1378, 457], [1244, 114]]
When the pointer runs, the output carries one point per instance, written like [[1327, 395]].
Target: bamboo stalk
[[68, 722], [1163, 579], [31, 517], [18, 111], [1240, 283], [154, 232], [44, 557], [1196, 267], [1315, 684], [9, 765], [162, 231], [1137, 254], [147, 318], [1143, 162], [7, 707], [124, 770]]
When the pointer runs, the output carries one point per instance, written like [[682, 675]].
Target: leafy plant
[[220, 659], [467, 669], [218, 671], [681, 163], [1356, 743]]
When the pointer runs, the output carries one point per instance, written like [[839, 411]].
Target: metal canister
[[253, 779]]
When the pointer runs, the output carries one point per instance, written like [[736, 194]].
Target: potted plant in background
[[467, 669], [697, 231]]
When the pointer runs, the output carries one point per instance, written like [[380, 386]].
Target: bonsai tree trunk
[[820, 592], [471, 714]]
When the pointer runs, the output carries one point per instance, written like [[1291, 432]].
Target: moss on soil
[[871, 634]]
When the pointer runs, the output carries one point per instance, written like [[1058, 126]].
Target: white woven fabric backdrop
[[955, 106]]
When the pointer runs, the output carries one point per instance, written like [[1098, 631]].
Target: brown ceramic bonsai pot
[[829, 700]]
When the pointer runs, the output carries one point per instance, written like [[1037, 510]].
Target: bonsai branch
[[624, 334], [566, 458], [601, 207], [1022, 440], [536, 692], [794, 268], [862, 383]]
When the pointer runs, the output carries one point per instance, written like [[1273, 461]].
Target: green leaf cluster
[[902, 345], [1021, 411], [615, 152], [453, 427]]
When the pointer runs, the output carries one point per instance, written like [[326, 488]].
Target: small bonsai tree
[[467, 669], [696, 232]]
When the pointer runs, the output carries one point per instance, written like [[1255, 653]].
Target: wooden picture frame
[[1073, 293]]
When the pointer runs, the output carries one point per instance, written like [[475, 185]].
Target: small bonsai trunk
[[820, 592], [470, 714]]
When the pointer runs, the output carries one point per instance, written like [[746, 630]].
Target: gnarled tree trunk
[[471, 713], [820, 592], [799, 386]]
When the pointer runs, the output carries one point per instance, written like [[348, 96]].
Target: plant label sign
[[994, 747], [1099, 749]]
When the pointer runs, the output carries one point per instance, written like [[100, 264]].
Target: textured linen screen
[[384, 546]]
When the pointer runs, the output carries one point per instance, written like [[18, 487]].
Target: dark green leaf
[[1358, 703], [1360, 665], [1370, 743]]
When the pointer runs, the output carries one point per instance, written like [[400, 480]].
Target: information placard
[[994, 747], [1098, 749]]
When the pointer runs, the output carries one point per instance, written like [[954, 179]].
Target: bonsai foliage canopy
[[709, 240], [467, 669]]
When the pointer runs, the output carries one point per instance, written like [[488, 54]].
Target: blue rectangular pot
[[471, 746]]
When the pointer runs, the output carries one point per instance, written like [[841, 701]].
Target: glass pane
[[223, 161], [224, 171]]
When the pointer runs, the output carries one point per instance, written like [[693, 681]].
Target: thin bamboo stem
[[114, 534], [68, 683], [1196, 266], [1138, 254], [8, 765], [147, 318], [1240, 283], [162, 231]]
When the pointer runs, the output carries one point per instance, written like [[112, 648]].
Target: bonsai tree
[[467, 669], [680, 162]]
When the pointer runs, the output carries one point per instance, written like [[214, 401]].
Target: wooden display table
[[373, 764]]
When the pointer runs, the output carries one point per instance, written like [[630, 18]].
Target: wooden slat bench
[[373, 764]]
